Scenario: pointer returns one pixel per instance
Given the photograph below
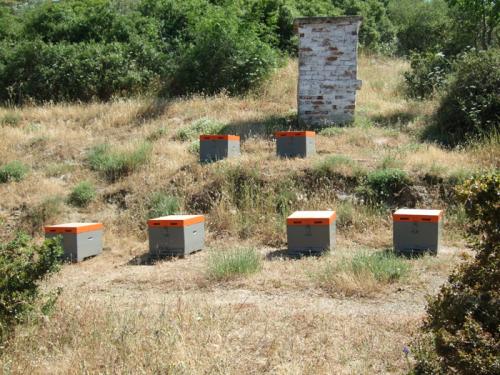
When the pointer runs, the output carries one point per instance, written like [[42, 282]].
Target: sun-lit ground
[[119, 315]]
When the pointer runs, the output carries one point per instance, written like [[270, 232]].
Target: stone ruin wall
[[328, 48]]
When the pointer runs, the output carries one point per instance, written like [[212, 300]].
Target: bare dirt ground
[[277, 321]]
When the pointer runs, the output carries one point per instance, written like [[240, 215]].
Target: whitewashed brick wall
[[328, 48]]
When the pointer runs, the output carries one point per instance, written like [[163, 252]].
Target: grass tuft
[[82, 194], [362, 274], [10, 119], [337, 164], [13, 171], [161, 204], [114, 164], [225, 265], [331, 131]]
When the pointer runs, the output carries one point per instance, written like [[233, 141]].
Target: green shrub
[[225, 55], [10, 119], [39, 71], [82, 194], [113, 164], [199, 127], [462, 321], [23, 265], [13, 171], [471, 103], [161, 204], [224, 265], [429, 73], [44, 212], [384, 185], [78, 21]]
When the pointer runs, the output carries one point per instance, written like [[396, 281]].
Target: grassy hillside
[[350, 311]]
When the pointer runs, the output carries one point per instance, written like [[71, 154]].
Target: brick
[[327, 68]]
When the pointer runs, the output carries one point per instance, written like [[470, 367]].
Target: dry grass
[[193, 335], [115, 316]]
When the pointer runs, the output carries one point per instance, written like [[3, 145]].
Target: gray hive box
[[311, 232], [416, 231], [79, 240], [295, 144], [176, 235], [218, 147]]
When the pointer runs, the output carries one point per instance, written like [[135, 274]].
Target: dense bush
[[429, 73], [471, 103], [464, 318], [224, 55], [23, 265], [78, 21], [39, 71], [76, 50], [79, 50], [82, 194], [13, 171]]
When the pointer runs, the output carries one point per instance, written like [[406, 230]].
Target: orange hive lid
[[295, 134], [224, 137], [311, 218], [176, 221], [73, 228], [415, 215]]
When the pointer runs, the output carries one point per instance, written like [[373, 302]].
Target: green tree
[[421, 25], [476, 21], [377, 32]]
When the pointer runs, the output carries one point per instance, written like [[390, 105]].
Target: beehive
[[416, 230], [176, 235], [291, 144], [311, 232], [218, 147], [79, 240]]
